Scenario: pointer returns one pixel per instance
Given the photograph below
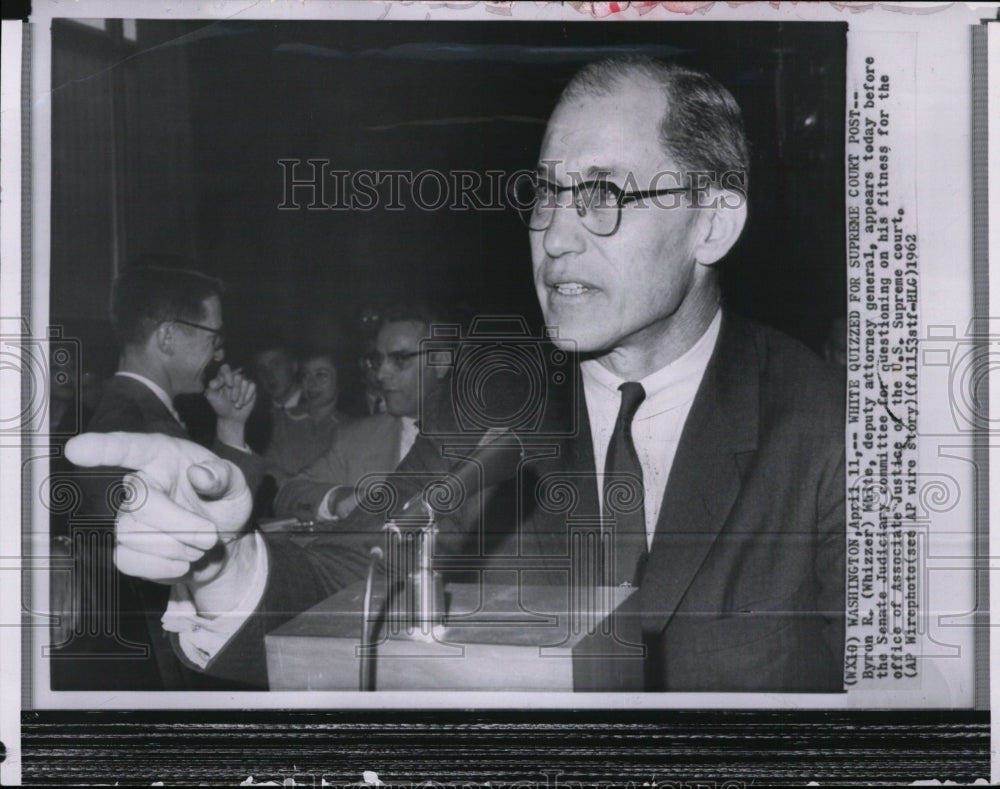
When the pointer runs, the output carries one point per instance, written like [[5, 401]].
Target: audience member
[[276, 368], [306, 431], [374, 444]]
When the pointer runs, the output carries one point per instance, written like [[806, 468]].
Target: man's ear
[[164, 338], [726, 215]]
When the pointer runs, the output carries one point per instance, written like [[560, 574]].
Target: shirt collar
[[292, 400], [666, 388], [157, 390]]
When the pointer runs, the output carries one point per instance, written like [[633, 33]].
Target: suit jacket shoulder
[[128, 405], [795, 381], [744, 587]]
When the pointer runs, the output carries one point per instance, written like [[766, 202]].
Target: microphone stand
[[411, 536], [365, 677], [410, 554]]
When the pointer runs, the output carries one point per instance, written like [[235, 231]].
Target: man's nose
[[565, 234], [220, 354]]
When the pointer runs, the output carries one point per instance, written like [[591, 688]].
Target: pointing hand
[[186, 509]]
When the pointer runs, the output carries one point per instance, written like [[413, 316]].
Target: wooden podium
[[497, 635]]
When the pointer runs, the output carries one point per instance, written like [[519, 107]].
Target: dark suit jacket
[[126, 649], [365, 446], [744, 586]]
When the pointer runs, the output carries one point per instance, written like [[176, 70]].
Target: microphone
[[493, 460], [497, 455]]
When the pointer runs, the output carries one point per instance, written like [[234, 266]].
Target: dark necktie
[[623, 491]]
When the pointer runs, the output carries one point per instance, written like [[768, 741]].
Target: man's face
[[276, 371], [319, 381], [197, 349], [399, 372], [624, 291]]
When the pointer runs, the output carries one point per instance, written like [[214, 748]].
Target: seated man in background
[[374, 444], [304, 432], [168, 322]]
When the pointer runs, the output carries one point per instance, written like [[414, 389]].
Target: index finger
[[136, 451]]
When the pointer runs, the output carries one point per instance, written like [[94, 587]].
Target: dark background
[[167, 136]]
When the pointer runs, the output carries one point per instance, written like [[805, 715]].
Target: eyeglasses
[[598, 203], [398, 359], [216, 333]]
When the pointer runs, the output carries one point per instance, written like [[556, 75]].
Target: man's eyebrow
[[592, 173]]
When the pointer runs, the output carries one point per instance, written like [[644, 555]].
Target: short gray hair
[[702, 130]]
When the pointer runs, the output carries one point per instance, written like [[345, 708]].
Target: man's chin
[[575, 337]]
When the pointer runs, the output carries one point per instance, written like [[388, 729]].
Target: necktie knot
[[632, 396]]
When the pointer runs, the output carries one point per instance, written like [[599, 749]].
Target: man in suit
[[735, 547], [169, 325], [374, 444]]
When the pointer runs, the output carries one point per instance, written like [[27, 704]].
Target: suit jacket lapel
[[705, 477]]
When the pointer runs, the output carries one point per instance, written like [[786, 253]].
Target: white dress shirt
[[202, 635], [408, 432], [659, 421]]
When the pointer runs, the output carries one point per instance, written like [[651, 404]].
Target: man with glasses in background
[[375, 444], [168, 322], [734, 551]]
